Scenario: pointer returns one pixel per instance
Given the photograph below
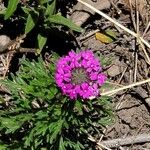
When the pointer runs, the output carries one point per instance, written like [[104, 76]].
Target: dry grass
[[140, 40]]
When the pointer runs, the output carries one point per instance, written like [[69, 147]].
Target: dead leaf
[[103, 38]]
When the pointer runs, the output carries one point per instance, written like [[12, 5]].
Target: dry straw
[[125, 87], [140, 39], [115, 22]]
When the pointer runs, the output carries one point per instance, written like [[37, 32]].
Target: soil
[[131, 110], [131, 106]]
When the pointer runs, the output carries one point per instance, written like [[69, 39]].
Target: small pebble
[[147, 100], [4, 41], [113, 71]]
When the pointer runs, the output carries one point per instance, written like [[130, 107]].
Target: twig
[[141, 138], [136, 51], [122, 75], [131, 12], [124, 87], [113, 83], [132, 33], [27, 50], [115, 22], [113, 4], [147, 28], [98, 143], [144, 50], [9, 58], [120, 102], [103, 146], [89, 34]]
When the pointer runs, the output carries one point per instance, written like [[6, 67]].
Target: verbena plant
[[40, 14], [39, 116]]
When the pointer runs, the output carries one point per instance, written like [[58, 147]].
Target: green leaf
[[1, 100], [111, 33], [12, 124], [41, 2], [61, 144], [12, 6], [55, 129], [79, 106], [53, 90], [41, 114], [41, 41], [58, 19], [2, 147], [31, 22], [9, 124], [106, 121], [3, 11], [50, 8], [26, 10]]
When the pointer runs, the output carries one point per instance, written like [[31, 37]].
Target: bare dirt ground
[[129, 65]]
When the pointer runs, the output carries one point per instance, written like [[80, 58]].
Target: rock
[[114, 71], [81, 13], [4, 41], [147, 100]]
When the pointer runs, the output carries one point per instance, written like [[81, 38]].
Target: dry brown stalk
[[117, 23], [125, 87], [141, 138]]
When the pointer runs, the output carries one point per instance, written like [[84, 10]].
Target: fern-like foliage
[[38, 116]]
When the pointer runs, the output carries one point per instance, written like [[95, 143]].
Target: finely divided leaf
[[61, 144]]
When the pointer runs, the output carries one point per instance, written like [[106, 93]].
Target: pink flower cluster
[[79, 75]]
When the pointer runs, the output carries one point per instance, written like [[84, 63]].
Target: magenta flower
[[79, 75]]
